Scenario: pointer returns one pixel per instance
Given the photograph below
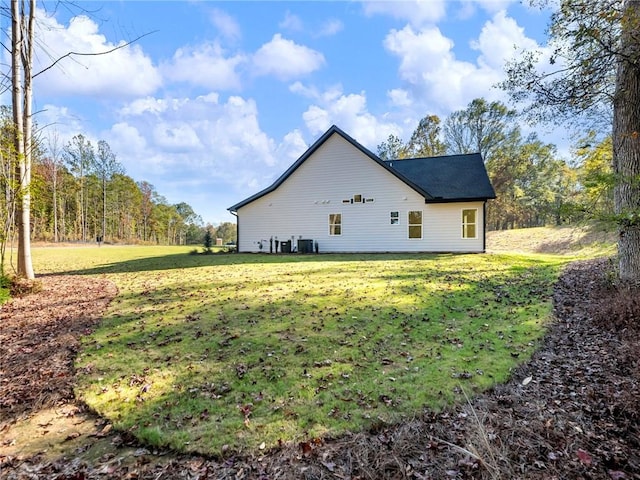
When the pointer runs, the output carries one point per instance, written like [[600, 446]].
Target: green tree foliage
[[425, 140], [209, 239], [532, 184], [595, 174], [592, 75], [227, 232], [392, 149], [192, 224], [105, 167], [482, 127], [79, 157], [113, 205]]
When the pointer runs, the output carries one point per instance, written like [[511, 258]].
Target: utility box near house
[[305, 246], [285, 247]]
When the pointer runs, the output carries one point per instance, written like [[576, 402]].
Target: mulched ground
[[572, 411]]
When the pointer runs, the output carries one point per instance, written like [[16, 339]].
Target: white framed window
[[394, 218], [470, 223], [414, 218], [335, 224]]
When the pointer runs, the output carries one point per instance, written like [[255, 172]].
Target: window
[[357, 199], [335, 224], [469, 223], [415, 224], [395, 218]]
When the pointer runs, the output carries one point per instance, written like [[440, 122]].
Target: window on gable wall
[[335, 224], [415, 224], [469, 223]]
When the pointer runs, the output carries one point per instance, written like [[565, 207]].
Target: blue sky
[[219, 98]]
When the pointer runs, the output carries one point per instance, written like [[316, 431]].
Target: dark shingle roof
[[438, 179], [447, 178]]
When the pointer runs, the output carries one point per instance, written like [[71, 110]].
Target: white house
[[340, 197]]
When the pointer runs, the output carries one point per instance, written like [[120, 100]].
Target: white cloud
[[176, 137], [206, 65], [492, 6], [350, 113], [128, 135], [60, 119], [304, 90], [399, 97], [125, 72], [290, 149], [330, 28], [285, 59], [226, 24], [416, 12], [291, 22], [202, 137], [444, 83], [498, 41], [419, 52]]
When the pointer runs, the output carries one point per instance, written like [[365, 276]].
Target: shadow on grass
[[183, 260]]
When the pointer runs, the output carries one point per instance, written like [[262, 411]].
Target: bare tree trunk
[[22, 135], [626, 147]]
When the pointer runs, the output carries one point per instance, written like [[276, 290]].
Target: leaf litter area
[[572, 411]]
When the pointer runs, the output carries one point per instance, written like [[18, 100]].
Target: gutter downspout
[[484, 227], [235, 214]]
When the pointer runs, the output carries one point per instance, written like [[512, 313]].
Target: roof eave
[[458, 200]]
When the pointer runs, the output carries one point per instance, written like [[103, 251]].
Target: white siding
[[300, 208]]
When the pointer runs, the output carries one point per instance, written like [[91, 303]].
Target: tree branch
[[81, 54]]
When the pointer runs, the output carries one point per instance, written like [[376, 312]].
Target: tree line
[[80, 192], [533, 184]]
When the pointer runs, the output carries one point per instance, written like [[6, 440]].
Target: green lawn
[[244, 351]]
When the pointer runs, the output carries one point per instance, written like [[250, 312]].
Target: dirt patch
[[572, 411]]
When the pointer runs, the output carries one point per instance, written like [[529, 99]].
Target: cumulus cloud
[[291, 148], [350, 113], [205, 65], [434, 75], [492, 6], [416, 12], [285, 59], [225, 24], [499, 39], [399, 97], [126, 134], [202, 137], [125, 72]]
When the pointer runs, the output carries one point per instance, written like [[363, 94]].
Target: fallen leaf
[[584, 456], [617, 475]]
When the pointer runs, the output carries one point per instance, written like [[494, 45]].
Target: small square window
[[357, 199]]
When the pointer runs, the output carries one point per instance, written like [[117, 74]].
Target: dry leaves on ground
[[570, 412]]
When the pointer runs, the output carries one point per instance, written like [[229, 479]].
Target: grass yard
[[241, 352]]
